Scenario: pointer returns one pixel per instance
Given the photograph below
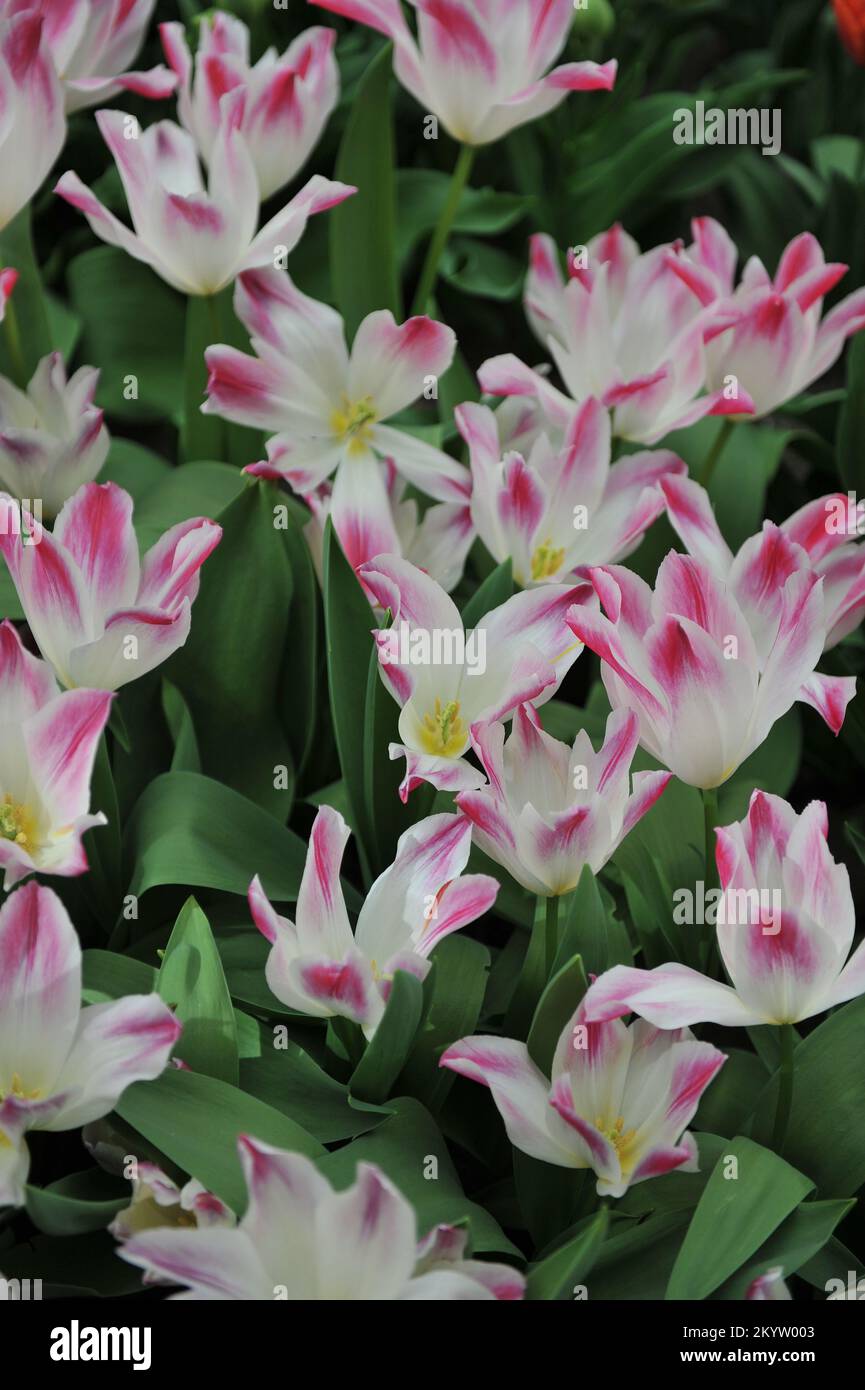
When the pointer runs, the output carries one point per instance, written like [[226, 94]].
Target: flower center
[[352, 421], [17, 823], [17, 1089], [444, 733], [618, 1136], [547, 560]]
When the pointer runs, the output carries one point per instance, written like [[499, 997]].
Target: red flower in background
[[851, 23]]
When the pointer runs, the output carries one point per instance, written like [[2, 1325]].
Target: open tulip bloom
[[786, 963], [623, 328], [159, 1202], [320, 967], [52, 436], [816, 538], [708, 669], [481, 66], [287, 98], [100, 614], [61, 1065], [48, 743], [327, 408], [565, 506], [33, 125], [619, 1101], [549, 809], [198, 239], [91, 44], [301, 1240], [775, 341], [446, 679]]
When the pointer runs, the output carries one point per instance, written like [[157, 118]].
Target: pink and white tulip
[[816, 539], [62, 1066], [785, 963], [776, 342], [548, 810], [437, 542], [48, 743], [327, 407], [564, 506], [320, 967], [101, 615], [619, 1101], [157, 1202], [33, 127], [446, 679], [287, 98], [52, 436], [198, 239], [481, 67], [300, 1240], [8, 281], [91, 44], [770, 1287], [623, 328], [706, 673]]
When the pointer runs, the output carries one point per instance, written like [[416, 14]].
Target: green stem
[[428, 274], [787, 1039], [710, 821], [12, 332], [203, 436], [551, 935], [537, 968], [27, 334], [716, 451]]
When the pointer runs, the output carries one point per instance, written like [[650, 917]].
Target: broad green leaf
[[421, 197], [192, 983], [231, 685], [28, 324], [738, 1211], [186, 756], [109, 975], [196, 489], [287, 1078], [584, 926], [362, 229], [459, 983], [476, 268], [190, 830], [201, 436], [195, 1122], [558, 1276], [77, 1204], [796, 1241], [556, 1006], [299, 680], [496, 589], [135, 469], [391, 1043]]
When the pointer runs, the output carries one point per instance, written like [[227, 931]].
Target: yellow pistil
[[619, 1137], [351, 422], [547, 560], [17, 1090], [444, 733], [17, 823]]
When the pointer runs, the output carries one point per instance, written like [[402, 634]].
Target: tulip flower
[[159, 1202], [625, 329], [48, 743], [52, 438], [91, 43], [438, 542], [850, 15], [198, 239], [769, 1287], [300, 1240], [327, 408], [619, 1101], [8, 281], [33, 127], [320, 967], [101, 615], [776, 341], [706, 674], [482, 71], [287, 98], [62, 1066], [785, 964], [816, 539], [548, 809], [564, 506], [446, 679]]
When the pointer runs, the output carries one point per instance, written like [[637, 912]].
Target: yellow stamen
[[615, 1132], [444, 733], [17, 823], [351, 422], [18, 1090], [547, 560]]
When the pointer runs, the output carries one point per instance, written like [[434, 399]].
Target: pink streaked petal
[[216, 1264], [601, 637], [40, 987], [829, 696], [579, 77], [671, 996], [460, 902], [508, 376], [691, 515], [287, 227], [445, 774], [170, 570], [390, 362], [430, 470], [361, 510], [322, 921], [410, 595], [648, 786], [264, 915], [26, 683], [245, 389], [95, 529], [660, 1160], [366, 1238], [600, 1153], [61, 742]]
